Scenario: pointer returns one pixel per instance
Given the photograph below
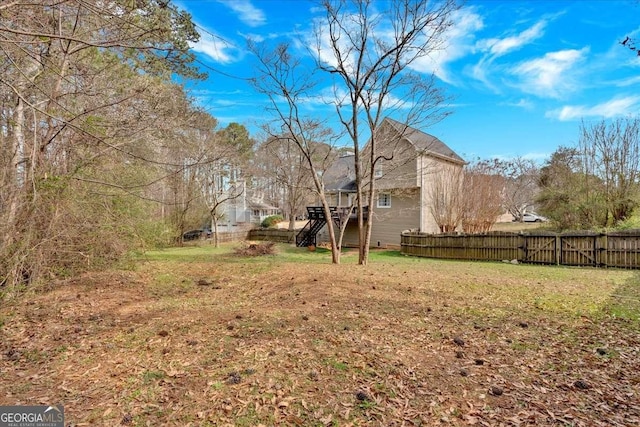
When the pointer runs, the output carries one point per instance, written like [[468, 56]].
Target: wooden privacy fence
[[234, 236], [617, 249], [273, 235]]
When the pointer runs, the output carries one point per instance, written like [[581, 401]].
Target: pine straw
[[315, 345]]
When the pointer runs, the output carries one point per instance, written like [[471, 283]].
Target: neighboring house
[[242, 208], [404, 187], [261, 210]]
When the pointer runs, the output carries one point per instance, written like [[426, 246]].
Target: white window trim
[[388, 197]]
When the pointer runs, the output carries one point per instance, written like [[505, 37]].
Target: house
[[405, 184], [241, 208], [261, 210]]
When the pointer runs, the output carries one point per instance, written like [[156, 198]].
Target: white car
[[533, 217]]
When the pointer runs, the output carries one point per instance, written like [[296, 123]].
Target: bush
[[271, 221], [630, 223]]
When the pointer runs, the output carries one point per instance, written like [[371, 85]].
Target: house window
[[384, 200], [377, 172]]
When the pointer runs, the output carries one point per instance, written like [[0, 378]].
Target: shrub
[[271, 221]]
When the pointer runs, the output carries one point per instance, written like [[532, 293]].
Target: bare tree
[[630, 43], [81, 89], [611, 152], [217, 196], [369, 54], [281, 162], [208, 175], [570, 197], [481, 197], [447, 198], [286, 83], [520, 184]]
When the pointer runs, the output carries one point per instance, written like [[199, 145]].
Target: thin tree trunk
[[17, 151], [215, 231]]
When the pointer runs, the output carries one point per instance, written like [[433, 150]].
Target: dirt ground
[[199, 337]]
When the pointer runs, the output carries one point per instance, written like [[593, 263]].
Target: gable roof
[[341, 174], [423, 142]]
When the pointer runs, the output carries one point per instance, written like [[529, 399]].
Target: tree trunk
[[16, 157], [369, 224], [335, 250], [214, 220], [366, 243]]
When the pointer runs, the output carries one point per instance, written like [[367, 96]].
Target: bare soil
[[199, 337]]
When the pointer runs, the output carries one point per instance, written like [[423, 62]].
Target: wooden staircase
[[317, 220]]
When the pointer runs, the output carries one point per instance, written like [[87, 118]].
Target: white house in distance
[[242, 209]]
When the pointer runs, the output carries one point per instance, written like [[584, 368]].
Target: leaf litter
[[284, 343]]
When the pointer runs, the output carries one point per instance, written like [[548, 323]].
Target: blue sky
[[521, 75]]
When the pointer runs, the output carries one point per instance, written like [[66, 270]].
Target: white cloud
[[455, 43], [498, 47], [521, 103], [216, 48], [553, 75], [629, 81], [482, 69], [535, 156], [459, 39], [259, 38], [494, 48], [247, 12], [615, 107]]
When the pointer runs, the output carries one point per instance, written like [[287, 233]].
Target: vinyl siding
[[350, 235], [408, 177], [389, 223], [400, 172]]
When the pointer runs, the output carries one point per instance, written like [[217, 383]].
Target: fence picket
[[616, 249]]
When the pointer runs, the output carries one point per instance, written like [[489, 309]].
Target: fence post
[[558, 249], [525, 249], [602, 250]]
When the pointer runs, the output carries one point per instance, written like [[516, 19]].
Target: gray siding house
[[404, 183]]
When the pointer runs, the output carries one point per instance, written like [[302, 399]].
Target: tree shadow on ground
[[624, 302]]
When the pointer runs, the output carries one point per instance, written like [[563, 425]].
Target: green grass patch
[[149, 377], [186, 253], [337, 365], [624, 301]]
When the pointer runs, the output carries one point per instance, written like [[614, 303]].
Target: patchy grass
[[200, 336]]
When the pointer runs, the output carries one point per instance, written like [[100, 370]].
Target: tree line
[[98, 138], [591, 185]]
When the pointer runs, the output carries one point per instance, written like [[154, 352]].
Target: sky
[[521, 77]]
